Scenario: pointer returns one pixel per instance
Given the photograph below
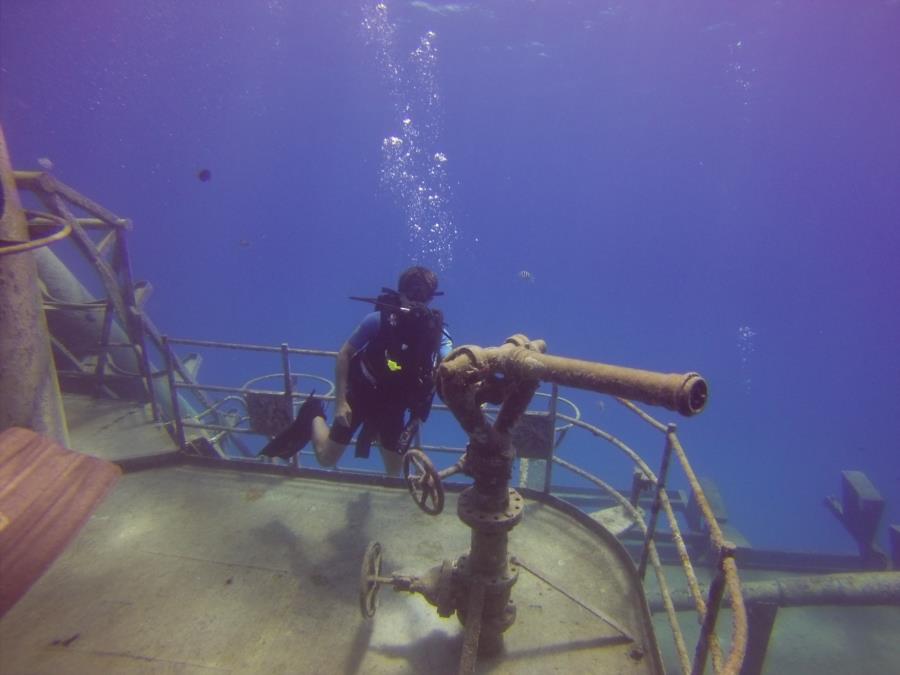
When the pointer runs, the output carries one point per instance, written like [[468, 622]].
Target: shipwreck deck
[[206, 569]]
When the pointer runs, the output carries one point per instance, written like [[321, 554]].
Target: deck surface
[[198, 571], [195, 570]]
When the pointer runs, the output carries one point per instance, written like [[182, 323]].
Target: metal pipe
[[739, 627], [40, 182], [707, 629], [685, 393], [29, 389], [473, 630], [855, 589], [248, 347]]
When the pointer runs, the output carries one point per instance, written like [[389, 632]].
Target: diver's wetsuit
[[368, 403]]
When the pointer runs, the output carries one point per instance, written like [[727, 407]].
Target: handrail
[[655, 562], [726, 564], [739, 637], [115, 273], [249, 347]]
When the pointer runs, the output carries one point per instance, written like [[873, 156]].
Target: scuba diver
[[384, 370]]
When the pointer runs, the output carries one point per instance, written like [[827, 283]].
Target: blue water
[[695, 186]]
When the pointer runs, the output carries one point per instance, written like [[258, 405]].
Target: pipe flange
[[500, 583], [445, 596], [499, 623], [483, 520], [493, 584], [496, 624]]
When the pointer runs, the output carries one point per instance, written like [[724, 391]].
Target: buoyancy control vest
[[400, 360]]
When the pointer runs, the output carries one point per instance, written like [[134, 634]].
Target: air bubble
[[413, 169]]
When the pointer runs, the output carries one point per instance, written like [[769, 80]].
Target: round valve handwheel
[[369, 579], [423, 482]]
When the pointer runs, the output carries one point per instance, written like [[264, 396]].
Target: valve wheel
[[368, 580], [423, 482]]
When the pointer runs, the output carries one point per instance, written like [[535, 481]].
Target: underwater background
[[700, 186]]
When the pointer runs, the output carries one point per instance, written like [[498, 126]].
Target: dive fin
[[295, 437]]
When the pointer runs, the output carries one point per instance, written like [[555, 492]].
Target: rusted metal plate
[[269, 413]]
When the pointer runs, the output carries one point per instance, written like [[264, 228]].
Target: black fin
[[294, 438]]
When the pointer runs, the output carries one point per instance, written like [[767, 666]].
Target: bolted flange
[[470, 512], [503, 581]]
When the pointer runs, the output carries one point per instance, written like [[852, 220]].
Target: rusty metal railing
[[286, 374], [109, 258], [726, 576], [127, 333]]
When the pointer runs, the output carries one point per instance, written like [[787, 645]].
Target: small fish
[[45, 163], [244, 243], [203, 175], [601, 405], [526, 276]]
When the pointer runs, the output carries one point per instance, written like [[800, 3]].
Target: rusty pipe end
[[692, 395]]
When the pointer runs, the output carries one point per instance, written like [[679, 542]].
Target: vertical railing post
[[548, 470], [713, 600], [144, 360], [173, 392], [103, 355], [135, 318], [657, 499], [286, 369], [288, 391]]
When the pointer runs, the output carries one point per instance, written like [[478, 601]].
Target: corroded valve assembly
[[477, 586]]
